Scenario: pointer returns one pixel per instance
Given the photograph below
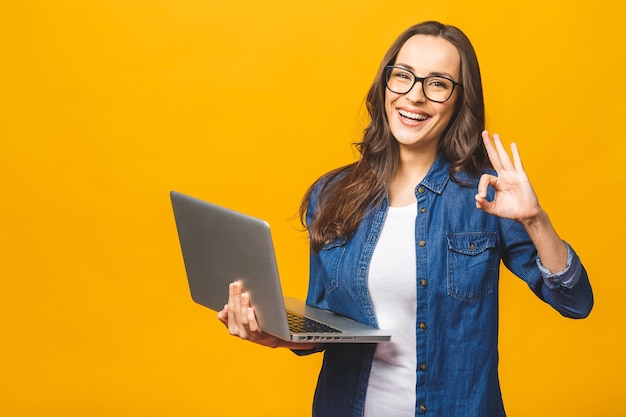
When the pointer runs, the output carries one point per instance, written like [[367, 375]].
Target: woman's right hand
[[239, 317]]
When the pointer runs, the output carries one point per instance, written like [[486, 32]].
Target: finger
[[245, 305], [234, 305], [244, 322], [505, 160], [491, 151], [234, 297], [484, 182], [484, 204], [248, 319], [253, 325], [517, 159], [481, 196]]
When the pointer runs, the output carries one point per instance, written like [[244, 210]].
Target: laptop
[[220, 246]]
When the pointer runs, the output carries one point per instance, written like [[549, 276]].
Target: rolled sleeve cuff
[[319, 347], [566, 278]]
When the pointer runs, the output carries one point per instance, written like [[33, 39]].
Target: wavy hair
[[345, 194]]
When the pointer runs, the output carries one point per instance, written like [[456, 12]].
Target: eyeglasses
[[436, 88]]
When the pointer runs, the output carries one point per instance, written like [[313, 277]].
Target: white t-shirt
[[392, 286]]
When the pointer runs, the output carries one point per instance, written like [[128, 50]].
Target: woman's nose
[[416, 94]]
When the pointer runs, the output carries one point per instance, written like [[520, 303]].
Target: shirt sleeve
[[566, 278]]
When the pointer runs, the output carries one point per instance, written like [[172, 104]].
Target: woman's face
[[416, 122]]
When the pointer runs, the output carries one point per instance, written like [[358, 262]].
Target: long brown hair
[[348, 192]]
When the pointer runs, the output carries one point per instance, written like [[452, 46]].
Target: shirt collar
[[437, 177]]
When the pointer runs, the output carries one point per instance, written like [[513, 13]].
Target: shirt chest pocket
[[472, 262], [331, 255]]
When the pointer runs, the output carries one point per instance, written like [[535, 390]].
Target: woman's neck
[[411, 170]]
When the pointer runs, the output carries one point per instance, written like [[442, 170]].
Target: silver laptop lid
[[221, 246]]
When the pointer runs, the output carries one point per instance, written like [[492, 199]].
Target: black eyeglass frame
[[421, 80]]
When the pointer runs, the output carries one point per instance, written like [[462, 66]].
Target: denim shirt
[[458, 251]]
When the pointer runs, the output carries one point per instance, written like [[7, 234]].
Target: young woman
[[410, 237]]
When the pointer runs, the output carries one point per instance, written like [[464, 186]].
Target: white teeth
[[414, 116]]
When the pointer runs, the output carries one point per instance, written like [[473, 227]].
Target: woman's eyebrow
[[441, 74], [432, 73]]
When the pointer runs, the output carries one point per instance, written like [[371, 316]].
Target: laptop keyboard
[[300, 324]]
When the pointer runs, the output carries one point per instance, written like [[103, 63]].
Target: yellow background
[[106, 105]]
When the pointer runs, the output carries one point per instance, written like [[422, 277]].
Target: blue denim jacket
[[458, 251]]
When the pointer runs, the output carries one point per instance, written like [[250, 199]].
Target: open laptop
[[220, 246]]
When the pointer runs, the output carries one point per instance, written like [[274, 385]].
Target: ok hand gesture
[[514, 198]]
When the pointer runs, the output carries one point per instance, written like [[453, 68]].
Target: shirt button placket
[[422, 209], [422, 300]]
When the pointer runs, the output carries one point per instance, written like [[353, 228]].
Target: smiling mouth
[[412, 116]]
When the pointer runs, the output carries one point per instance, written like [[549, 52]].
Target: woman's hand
[[240, 319], [238, 316], [515, 198]]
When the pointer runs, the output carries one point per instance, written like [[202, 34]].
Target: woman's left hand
[[514, 198]]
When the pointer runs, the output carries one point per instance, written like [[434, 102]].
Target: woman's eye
[[440, 84], [402, 75]]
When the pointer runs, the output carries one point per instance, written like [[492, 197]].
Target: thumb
[[223, 315]]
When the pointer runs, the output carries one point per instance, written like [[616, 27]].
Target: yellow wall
[[107, 105]]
